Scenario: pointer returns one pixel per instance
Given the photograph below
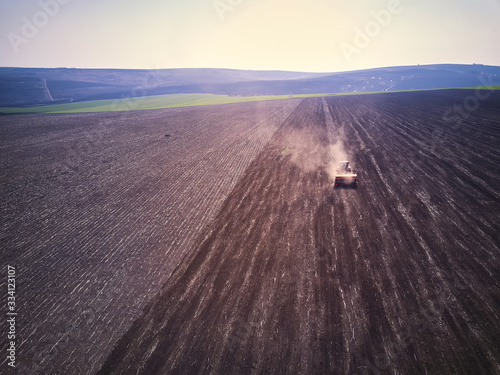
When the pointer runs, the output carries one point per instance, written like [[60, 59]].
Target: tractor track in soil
[[97, 210], [398, 276]]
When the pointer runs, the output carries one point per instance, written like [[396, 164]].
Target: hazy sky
[[303, 35]]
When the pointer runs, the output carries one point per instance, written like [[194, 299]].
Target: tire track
[[100, 221], [397, 276]]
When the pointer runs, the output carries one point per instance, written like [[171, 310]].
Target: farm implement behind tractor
[[345, 176]]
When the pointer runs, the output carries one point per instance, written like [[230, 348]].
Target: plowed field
[[250, 261], [399, 276]]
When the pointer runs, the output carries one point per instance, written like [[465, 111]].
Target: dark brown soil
[[400, 275], [98, 209]]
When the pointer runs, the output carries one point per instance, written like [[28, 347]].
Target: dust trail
[[336, 153], [307, 151], [336, 150], [311, 150], [309, 155]]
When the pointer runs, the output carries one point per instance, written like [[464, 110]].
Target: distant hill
[[40, 86]]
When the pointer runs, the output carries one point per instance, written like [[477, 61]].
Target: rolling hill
[[41, 86]]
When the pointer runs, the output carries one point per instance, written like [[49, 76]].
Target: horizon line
[[254, 70]]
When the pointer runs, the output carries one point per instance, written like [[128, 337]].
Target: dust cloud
[[305, 149], [310, 153], [337, 153]]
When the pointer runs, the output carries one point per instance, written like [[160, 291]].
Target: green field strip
[[181, 100]]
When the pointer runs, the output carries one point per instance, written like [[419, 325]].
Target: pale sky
[[300, 35]]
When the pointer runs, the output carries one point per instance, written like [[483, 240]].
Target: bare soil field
[[98, 209], [398, 276], [224, 249]]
